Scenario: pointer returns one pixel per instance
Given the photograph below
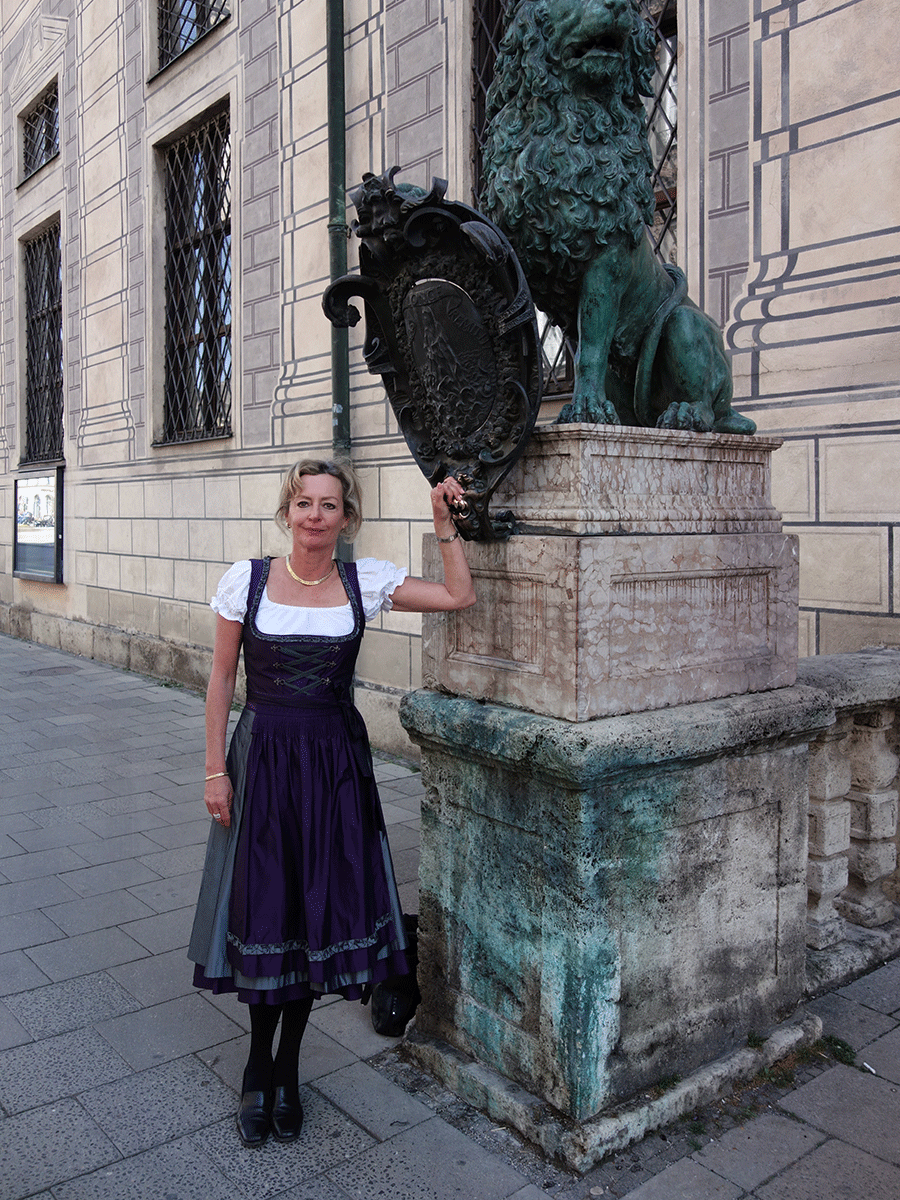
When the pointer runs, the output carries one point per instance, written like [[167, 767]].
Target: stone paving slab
[[835, 1171], [47, 1146], [883, 1056], [169, 1030], [43, 1072], [853, 1106], [432, 1161], [879, 989], [73, 1004], [749, 1155]]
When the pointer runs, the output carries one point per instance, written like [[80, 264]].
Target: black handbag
[[396, 998]]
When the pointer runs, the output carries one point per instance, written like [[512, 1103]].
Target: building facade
[[164, 215]]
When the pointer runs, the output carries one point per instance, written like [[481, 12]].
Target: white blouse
[[377, 580]]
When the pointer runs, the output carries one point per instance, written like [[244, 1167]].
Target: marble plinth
[[609, 904], [650, 570], [581, 627], [586, 479]]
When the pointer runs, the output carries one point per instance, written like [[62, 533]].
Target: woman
[[298, 897]]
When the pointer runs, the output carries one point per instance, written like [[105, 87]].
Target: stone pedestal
[[606, 905], [651, 571], [613, 873]]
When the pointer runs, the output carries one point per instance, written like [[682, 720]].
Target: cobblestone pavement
[[119, 1080]]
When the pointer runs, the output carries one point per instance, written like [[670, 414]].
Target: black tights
[[261, 1071]]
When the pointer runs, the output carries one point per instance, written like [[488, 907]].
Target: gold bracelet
[[449, 539], [218, 775]]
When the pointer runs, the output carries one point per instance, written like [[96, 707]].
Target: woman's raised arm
[[457, 591]]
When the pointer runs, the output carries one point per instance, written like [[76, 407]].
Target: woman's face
[[316, 512]]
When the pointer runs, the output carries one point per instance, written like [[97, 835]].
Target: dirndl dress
[[298, 897]]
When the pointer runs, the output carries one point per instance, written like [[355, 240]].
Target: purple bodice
[[295, 669]]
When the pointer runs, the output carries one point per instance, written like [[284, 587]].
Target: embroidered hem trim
[[258, 948]]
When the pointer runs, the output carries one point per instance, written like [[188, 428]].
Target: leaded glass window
[[40, 131], [198, 283], [42, 259], [183, 22]]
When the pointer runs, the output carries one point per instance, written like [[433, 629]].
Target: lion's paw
[[591, 412], [685, 416]]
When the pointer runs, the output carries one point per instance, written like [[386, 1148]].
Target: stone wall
[[788, 212]]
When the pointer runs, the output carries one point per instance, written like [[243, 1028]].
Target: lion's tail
[[644, 372]]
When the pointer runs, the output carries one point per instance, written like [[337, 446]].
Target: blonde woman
[[298, 897]]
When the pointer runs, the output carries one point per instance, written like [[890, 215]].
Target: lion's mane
[[564, 172]]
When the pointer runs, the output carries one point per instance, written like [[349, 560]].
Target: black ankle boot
[[287, 1114]]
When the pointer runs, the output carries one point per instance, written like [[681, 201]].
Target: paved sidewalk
[[119, 1080]]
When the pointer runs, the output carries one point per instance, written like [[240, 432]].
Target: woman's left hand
[[447, 496]]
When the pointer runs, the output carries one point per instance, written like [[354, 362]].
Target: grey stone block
[[97, 912], [111, 849], [49, 1070], [379, 1106], [73, 1004], [835, 1169], [852, 1022], [18, 972], [350, 1025], [164, 931], [685, 1180], [163, 895], [170, 863], [28, 894], [167, 1031], [328, 1138], [432, 1161], [187, 833], [755, 1151], [42, 864], [107, 877], [153, 980], [883, 1057], [12, 1033], [159, 1105], [179, 1169], [49, 1145], [879, 989], [854, 1106], [85, 952], [29, 929]]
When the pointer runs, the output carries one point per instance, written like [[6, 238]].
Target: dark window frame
[[181, 24], [43, 438], [198, 282], [40, 131]]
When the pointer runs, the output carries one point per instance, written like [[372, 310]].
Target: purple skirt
[[298, 896]]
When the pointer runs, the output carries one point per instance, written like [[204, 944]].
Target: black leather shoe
[[287, 1114], [253, 1119]]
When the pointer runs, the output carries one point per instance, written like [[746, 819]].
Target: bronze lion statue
[[568, 180]]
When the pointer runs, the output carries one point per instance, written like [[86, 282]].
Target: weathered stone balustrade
[[852, 871]]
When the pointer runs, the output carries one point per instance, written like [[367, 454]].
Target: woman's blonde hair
[[350, 489]]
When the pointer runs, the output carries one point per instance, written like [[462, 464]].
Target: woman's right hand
[[218, 795]]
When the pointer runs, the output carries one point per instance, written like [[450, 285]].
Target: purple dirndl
[[298, 896]]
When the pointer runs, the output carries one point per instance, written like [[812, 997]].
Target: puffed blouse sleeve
[[230, 600], [376, 582]]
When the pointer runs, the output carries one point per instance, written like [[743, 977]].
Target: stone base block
[[583, 1145], [605, 904], [584, 627]]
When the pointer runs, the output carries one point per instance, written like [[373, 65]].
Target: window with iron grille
[[662, 130], [40, 131], [183, 22], [43, 441], [198, 283]]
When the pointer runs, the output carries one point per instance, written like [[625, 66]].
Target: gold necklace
[[306, 582]]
